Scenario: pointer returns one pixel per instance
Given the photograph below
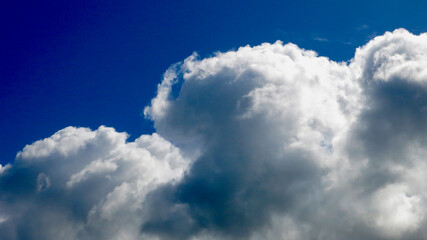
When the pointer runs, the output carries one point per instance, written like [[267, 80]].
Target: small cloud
[[319, 39], [362, 27]]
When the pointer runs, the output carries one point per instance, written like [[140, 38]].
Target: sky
[[213, 120], [92, 63]]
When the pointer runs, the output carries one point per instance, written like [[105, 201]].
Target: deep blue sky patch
[[91, 63]]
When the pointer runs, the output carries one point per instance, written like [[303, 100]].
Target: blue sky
[[91, 63], [250, 138]]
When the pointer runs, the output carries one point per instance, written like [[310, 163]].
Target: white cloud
[[83, 184], [269, 142], [397, 209]]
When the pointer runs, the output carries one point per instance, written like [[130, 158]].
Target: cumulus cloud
[[83, 184], [266, 119], [265, 142]]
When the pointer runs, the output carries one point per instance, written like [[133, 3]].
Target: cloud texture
[[265, 142]]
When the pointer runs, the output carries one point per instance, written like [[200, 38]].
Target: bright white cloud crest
[[265, 142]]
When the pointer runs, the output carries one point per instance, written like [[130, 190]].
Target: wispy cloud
[[319, 39]]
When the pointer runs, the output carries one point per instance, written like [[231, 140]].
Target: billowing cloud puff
[[265, 121], [83, 184], [265, 142]]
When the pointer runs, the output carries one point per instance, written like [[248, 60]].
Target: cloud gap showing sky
[[263, 142]]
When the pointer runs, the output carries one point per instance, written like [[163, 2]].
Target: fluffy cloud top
[[265, 142], [83, 184]]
